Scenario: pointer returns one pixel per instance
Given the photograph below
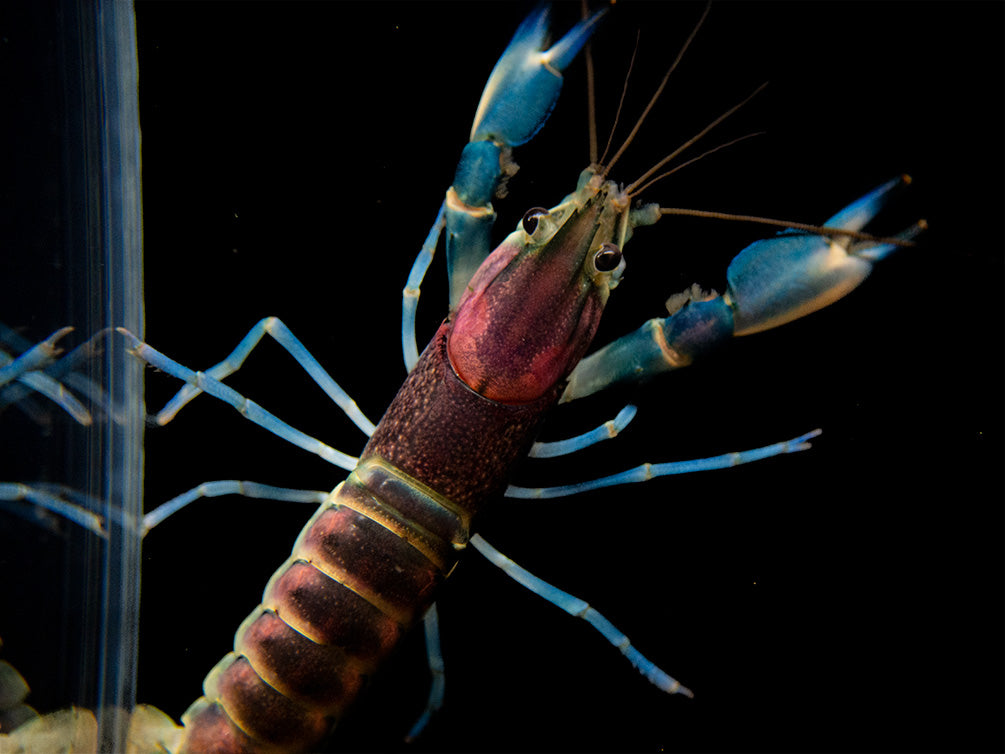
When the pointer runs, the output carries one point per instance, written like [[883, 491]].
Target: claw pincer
[[781, 279]]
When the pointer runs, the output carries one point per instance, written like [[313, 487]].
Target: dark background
[[848, 598]]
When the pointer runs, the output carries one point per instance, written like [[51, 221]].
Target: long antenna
[[591, 93], [821, 230], [621, 102], [660, 88]]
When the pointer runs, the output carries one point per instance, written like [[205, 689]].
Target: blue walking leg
[[606, 431], [247, 408], [281, 333], [54, 503], [230, 487], [648, 471], [580, 609], [438, 679], [25, 370], [410, 294]]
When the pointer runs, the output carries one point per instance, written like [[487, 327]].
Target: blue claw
[[525, 83], [780, 279]]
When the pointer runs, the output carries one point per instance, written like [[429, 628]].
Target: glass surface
[[73, 258]]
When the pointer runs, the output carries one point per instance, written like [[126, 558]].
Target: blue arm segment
[[580, 609], [469, 229], [770, 283], [660, 345], [648, 471]]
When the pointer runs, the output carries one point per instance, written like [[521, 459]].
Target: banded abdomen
[[365, 567]]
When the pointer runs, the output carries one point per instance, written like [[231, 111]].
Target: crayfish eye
[[607, 258], [531, 218]]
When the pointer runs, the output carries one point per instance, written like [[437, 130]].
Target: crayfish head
[[532, 308]]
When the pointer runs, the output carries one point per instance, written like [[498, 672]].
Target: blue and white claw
[[517, 100], [771, 282], [781, 279], [527, 79]]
